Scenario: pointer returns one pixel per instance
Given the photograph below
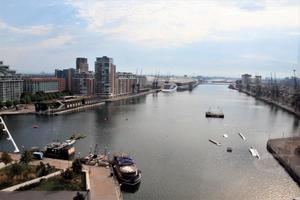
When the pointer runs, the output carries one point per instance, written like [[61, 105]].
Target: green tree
[[77, 166], [16, 102], [6, 158], [27, 99], [26, 157], [1, 104], [8, 103]]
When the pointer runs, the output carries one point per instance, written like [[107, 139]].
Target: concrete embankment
[[287, 152], [85, 107], [119, 98]]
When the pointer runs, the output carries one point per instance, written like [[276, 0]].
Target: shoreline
[[271, 102], [129, 96]]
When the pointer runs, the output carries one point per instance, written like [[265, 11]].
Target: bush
[[8, 103], [15, 170], [6, 158], [68, 174], [77, 166], [79, 196], [26, 157]]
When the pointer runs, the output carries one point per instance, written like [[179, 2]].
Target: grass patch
[[59, 183]]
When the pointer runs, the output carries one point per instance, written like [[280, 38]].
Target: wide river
[[168, 135]]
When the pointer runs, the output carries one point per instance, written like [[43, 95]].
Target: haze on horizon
[[216, 38]]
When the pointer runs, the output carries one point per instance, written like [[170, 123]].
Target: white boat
[[254, 152], [225, 136], [215, 142], [169, 87], [242, 136]]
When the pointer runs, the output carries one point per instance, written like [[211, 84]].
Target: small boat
[[254, 152], [214, 114], [35, 126], [229, 149], [215, 142], [225, 136], [60, 150], [169, 87], [126, 170], [242, 136]]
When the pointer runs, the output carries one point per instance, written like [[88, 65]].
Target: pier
[[287, 152]]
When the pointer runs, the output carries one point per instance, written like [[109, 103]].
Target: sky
[[180, 37]]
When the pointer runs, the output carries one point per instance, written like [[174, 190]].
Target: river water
[[167, 135]]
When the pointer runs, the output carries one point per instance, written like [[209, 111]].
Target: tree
[[16, 102], [6, 158], [77, 166], [1, 104], [26, 157], [8, 103], [27, 99]]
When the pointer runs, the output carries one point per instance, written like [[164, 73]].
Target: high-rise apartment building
[[105, 77], [43, 84], [68, 75], [82, 64], [11, 84], [83, 83]]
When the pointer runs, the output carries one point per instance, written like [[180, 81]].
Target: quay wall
[[282, 149], [269, 101]]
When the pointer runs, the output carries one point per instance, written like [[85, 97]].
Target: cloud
[[31, 30], [168, 23]]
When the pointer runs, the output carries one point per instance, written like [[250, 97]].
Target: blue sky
[[223, 38]]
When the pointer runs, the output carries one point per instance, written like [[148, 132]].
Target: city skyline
[[209, 38]]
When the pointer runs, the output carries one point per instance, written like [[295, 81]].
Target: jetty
[[287, 152]]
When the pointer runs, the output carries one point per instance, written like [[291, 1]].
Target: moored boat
[[60, 150], [126, 170], [169, 87]]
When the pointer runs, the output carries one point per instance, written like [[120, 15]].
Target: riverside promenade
[[102, 185], [287, 152]]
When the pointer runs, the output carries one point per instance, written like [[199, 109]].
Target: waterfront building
[[11, 84], [82, 64], [246, 80], [83, 83], [67, 75], [126, 83], [43, 84], [105, 77]]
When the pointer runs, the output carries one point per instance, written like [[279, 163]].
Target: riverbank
[[286, 151], [28, 109], [119, 98], [80, 108], [272, 102]]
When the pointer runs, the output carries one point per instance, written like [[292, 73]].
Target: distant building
[[46, 85], [83, 83], [68, 75], [82, 65], [105, 77], [246, 80], [258, 80], [11, 84]]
